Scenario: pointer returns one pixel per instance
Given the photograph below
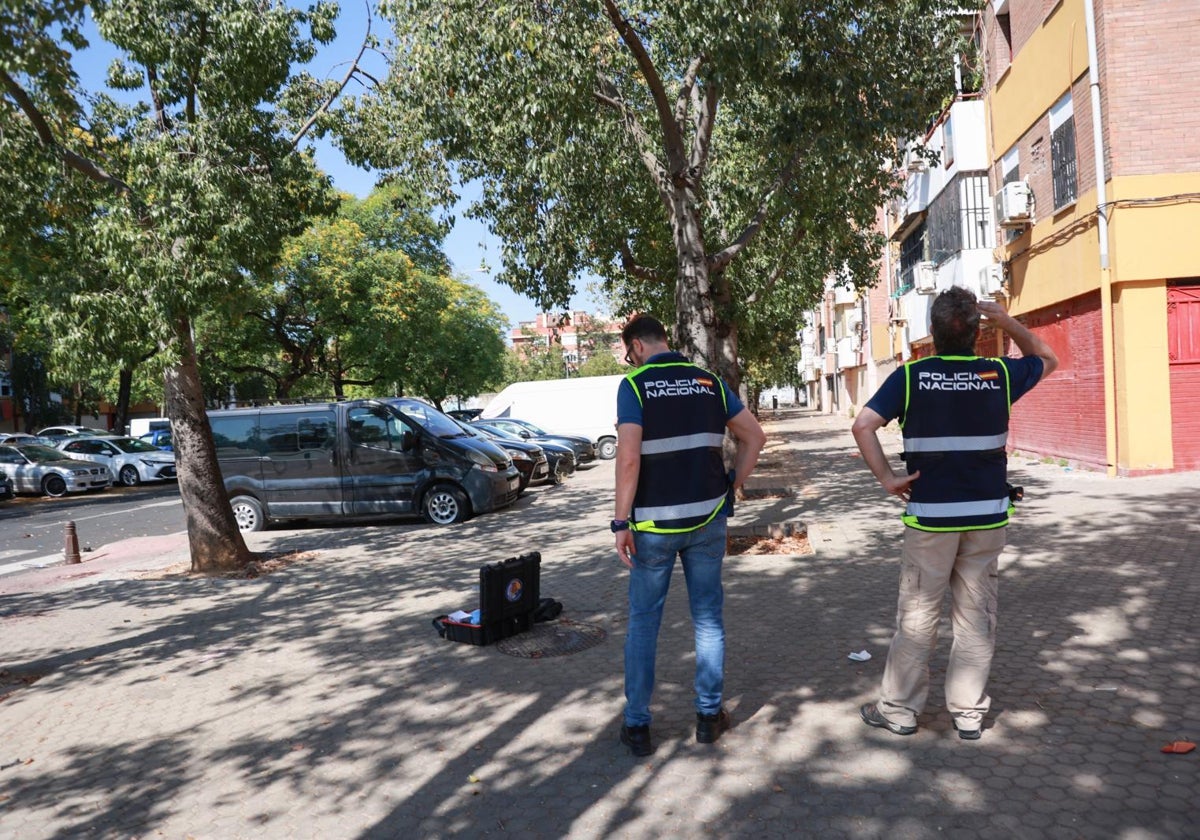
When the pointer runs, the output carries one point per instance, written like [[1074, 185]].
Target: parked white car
[[60, 433], [44, 469], [131, 461]]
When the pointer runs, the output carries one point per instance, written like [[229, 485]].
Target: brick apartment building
[[1085, 234], [571, 331]]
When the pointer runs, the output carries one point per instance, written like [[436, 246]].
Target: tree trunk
[[215, 541], [124, 387], [694, 335], [725, 329]]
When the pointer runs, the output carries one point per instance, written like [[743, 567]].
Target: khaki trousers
[[967, 563]]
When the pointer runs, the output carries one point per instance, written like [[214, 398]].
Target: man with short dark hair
[[953, 409], [671, 493]]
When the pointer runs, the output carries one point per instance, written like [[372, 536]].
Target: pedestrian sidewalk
[[317, 701]]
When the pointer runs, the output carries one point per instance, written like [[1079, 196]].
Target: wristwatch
[[619, 525]]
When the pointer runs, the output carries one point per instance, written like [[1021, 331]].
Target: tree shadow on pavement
[[319, 701]]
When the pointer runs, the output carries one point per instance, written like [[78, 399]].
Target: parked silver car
[[130, 460], [44, 469], [13, 438], [60, 433]]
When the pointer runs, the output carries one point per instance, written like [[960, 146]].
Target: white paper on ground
[[860, 656], [459, 615]]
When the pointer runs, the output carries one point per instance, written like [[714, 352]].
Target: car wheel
[[607, 448], [444, 505], [248, 513], [54, 486], [560, 476], [129, 475]]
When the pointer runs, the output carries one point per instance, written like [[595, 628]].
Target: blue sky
[[469, 246]]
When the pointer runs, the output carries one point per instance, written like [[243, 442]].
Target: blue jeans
[[702, 552]]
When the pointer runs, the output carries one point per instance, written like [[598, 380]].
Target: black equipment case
[[509, 592]]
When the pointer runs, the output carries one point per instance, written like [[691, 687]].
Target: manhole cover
[[552, 638]]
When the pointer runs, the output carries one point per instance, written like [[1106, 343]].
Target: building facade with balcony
[[1094, 146]]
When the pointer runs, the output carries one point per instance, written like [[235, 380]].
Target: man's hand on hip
[[900, 485]]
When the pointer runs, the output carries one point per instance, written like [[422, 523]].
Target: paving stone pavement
[[317, 701]]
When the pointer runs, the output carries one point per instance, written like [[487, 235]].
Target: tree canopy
[[658, 145], [178, 190]]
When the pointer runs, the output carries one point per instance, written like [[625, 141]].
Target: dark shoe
[[872, 717], [637, 738], [710, 727], [968, 734]]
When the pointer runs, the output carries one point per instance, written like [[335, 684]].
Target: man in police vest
[[953, 410], [671, 500]]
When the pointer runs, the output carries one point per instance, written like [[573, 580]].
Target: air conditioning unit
[[991, 278], [916, 163], [1013, 205], [925, 277]]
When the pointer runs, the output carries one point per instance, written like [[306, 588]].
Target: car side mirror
[[408, 441]]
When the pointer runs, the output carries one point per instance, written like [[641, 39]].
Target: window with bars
[[912, 251], [959, 217], [1062, 152]]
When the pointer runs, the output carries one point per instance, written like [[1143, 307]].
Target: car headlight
[[80, 472], [482, 461], [518, 456]]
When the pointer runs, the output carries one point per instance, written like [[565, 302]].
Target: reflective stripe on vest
[[976, 443], [948, 510], [676, 444], [645, 515]]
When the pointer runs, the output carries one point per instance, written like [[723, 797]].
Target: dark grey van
[[353, 458]]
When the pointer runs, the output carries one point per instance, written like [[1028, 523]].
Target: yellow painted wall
[[1142, 376], [1040, 73], [1044, 273], [1156, 241]]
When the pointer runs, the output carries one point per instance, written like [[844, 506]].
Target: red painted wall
[[1063, 417]]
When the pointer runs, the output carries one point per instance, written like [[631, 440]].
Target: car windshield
[[430, 419], [504, 434], [531, 427], [133, 445], [472, 431], [37, 453]]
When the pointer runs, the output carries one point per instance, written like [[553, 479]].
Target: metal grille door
[[1183, 353]]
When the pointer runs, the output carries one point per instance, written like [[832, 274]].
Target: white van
[[581, 405], [139, 426]]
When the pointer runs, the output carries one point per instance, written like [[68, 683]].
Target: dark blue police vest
[[955, 425], [682, 479]]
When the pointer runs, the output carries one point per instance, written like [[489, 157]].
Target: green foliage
[[602, 364], [138, 215], [349, 311], [660, 145]]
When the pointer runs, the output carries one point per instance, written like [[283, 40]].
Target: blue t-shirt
[[629, 407], [888, 402]]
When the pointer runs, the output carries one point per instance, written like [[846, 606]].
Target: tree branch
[[687, 89], [631, 266], [671, 131], [79, 163], [160, 111], [316, 115], [721, 259], [706, 118], [797, 235], [609, 95]]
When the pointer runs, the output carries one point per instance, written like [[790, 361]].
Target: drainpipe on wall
[[1106, 295]]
